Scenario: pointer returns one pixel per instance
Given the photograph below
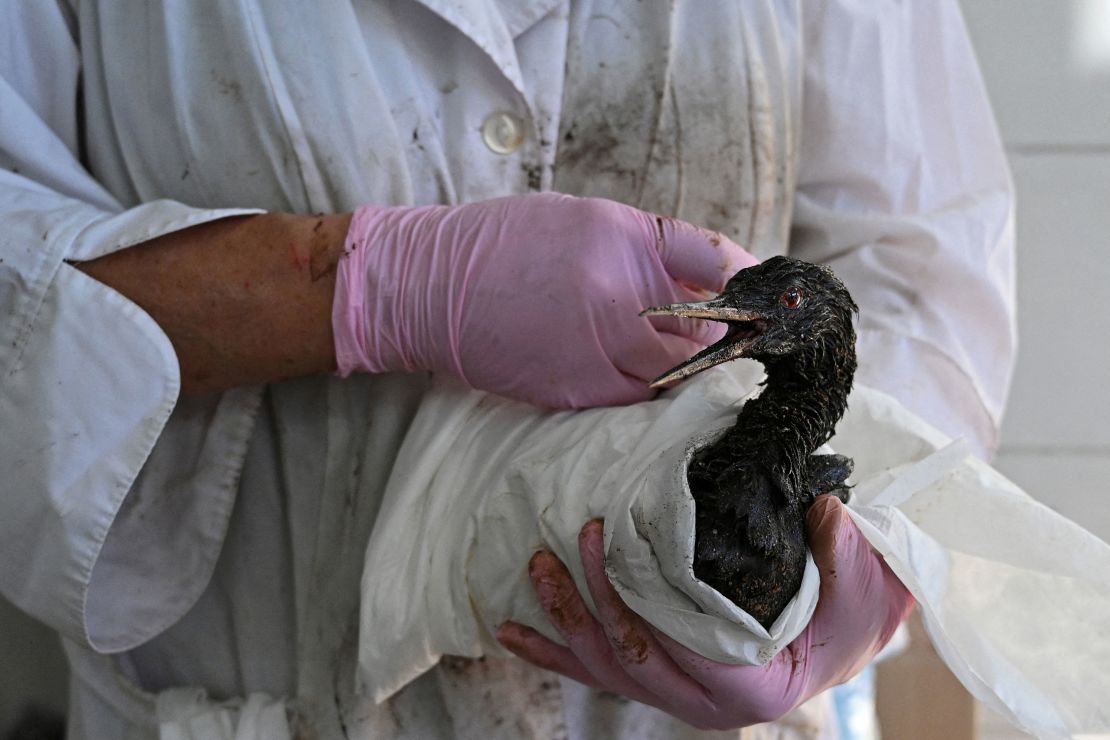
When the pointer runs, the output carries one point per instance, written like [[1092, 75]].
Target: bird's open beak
[[734, 344]]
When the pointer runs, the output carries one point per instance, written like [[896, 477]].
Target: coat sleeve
[[87, 379], [903, 188]]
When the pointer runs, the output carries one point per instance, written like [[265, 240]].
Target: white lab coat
[[215, 541]]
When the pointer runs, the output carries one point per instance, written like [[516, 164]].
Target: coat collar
[[493, 25]]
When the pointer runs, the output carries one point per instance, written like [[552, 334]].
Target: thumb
[[860, 603], [824, 520], [698, 257]]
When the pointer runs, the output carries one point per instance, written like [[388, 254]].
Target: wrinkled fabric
[[187, 714], [1001, 580], [222, 535]]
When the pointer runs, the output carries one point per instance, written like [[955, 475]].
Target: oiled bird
[[753, 485]]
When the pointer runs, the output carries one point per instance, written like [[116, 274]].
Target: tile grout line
[[1078, 149], [1055, 450]]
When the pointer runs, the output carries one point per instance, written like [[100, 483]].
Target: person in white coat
[[159, 165]]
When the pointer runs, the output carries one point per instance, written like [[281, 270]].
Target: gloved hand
[[536, 297], [859, 606]]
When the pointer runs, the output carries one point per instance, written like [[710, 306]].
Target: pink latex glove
[[536, 297], [860, 605]]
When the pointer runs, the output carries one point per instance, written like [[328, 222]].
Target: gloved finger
[[699, 257], [654, 355], [860, 603], [631, 638], [719, 679], [599, 381], [528, 644], [699, 331], [618, 388], [748, 690], [559, 597], [698, 667], [851, 571]]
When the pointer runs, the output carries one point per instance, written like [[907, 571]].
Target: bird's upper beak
[[734, 344]]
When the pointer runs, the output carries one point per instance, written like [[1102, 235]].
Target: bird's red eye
[[792, 298]]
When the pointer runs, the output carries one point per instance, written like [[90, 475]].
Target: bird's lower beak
[[732, 346]]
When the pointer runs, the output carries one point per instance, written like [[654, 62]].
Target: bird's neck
[[804, 396], [808, 390]]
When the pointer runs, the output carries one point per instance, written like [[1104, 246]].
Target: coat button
[[503, 132]]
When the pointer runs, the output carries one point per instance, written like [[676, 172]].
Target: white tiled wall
[[1047, 67], [1059, 397]]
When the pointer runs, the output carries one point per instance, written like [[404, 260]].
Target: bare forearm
[[243, 300]]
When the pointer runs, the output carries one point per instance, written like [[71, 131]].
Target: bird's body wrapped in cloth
[[753, 485], [481, 483]]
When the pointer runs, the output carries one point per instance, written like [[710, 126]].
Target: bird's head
[[772, 310]]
